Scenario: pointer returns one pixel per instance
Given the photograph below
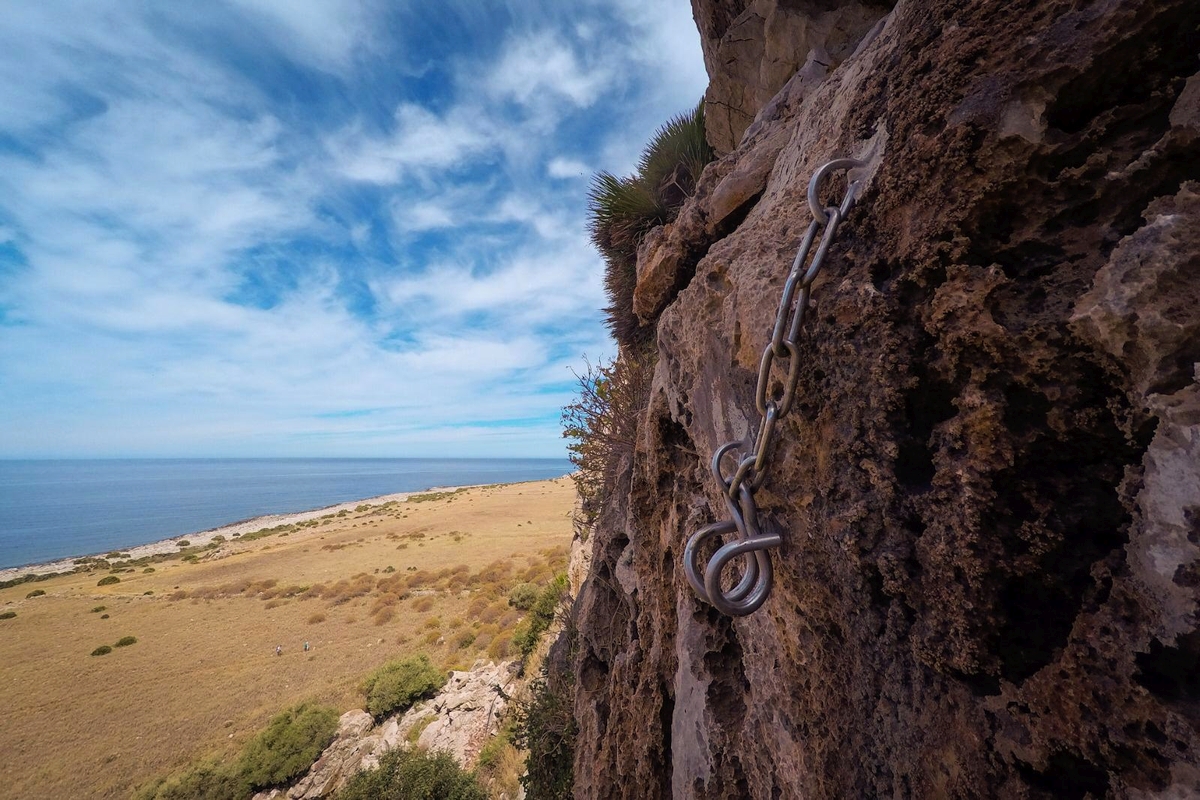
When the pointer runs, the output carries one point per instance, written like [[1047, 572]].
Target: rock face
[[989, 486], [753, 47]]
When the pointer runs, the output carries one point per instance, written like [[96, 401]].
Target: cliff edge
[[989, 486]]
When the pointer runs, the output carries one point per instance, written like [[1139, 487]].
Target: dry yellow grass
[[203, 676]]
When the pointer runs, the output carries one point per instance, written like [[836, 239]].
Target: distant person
[[278, 649], [306, 647]]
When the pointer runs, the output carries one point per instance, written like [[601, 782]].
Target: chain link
[[781, 355]]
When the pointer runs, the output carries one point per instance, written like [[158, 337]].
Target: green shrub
[[414, 775], [397, 685], [288, 747], [102, 650], [108, 580], [125, 641], [148, 570], [208, 780], [98, 609], [8, 615], [541, 614], [183, 543], [545, 725], [36, 593], [523, 596]]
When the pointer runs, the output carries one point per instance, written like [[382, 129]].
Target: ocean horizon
[[61, 508]]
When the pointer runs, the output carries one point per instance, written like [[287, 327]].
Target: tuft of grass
[[148, 570], [36, 593], [183, 543], [316, 618], [104, 616], [102, 650], [8, 615], [98, 609], [108, 580], [125, 641]]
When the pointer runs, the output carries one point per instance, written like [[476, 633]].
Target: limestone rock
[[466, 713], [751, 49], [989, 485]]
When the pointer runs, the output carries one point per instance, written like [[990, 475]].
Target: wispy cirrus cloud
[[304, 228]]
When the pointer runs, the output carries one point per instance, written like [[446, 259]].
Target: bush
[[414, 775], [208, 780], [397, 685], [98, 609], [104, 616], [8, 615], [603, 425], [36, 593], [125, 641], [523, 596], [148, 570], [183, 543], [102, 650], [545, 726], [288, 747], [541, 614], [108, 580]]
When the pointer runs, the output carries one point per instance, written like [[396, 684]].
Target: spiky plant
[[624, 210], [675, 157]]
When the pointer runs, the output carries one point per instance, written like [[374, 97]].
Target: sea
[[53, 509]]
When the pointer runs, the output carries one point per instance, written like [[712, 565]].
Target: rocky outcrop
[[459, 721], [989, 486], [465, 714], [753, 47]]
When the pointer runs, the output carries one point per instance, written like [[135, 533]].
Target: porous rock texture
[[989, 486]]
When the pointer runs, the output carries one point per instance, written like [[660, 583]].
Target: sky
[[249, 228]]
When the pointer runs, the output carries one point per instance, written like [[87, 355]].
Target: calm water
[[56, 509]]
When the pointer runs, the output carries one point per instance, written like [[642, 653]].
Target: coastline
[[201, 538]]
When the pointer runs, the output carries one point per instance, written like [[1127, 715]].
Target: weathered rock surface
[[990, 482], [465, 714], [753, 47]]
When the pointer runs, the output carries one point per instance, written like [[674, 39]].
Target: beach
[[205, 537]]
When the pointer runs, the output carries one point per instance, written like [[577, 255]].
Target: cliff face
[[989, 487]]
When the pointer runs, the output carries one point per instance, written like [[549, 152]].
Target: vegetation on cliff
[[624, 210]]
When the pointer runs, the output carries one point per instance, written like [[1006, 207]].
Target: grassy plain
[[428, 575]]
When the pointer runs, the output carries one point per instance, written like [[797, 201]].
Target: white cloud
[[420, 140], [209, 271], [537, 68], [560, 167], [327, 33]]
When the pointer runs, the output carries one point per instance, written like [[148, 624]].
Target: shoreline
[[204, 537]]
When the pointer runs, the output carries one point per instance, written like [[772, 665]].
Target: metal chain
[[782, 356]]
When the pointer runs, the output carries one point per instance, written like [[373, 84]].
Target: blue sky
[[312, 227]]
